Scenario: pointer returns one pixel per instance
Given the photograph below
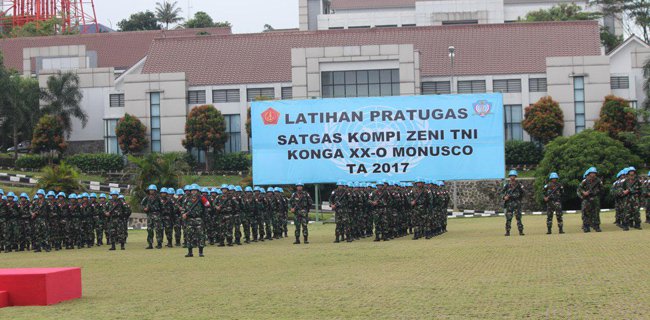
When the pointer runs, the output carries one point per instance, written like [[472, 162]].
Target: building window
[[110, 138], [537, 85], [359, 27], [579, 102], [620, 82], [155, 122], [257, 93], [436, 87], [116, 100], [196, 97], [387, 26], [287, 93], [633, 104], [409, 25], [455, 22], [507, 86], [362, 83], [473, 86], [225, 96], [233, 128], [514, 130]]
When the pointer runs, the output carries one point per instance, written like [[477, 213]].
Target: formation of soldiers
[[224, 216], [390, 210], [630, 191], [51, 221]]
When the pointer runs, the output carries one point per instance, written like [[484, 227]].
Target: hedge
[[31, 162], [232, 162], [93, 162], [520, 152]]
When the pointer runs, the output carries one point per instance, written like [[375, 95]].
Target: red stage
[[39, 287]]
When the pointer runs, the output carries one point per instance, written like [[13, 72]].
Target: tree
[[616, 117], [61, 178], [145, 20], [205, 129], [544, 120], [167, 13], [62, 99], [48, 136], [165, 170], [633, 11], [248, 123], [131, 134], [571, 12], [40, 29], [571, 156], [203, 20]]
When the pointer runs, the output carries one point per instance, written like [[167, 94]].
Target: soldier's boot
[[37, 249], [178, 243], [305, 240], [297, 240], [586, 229], [286, 235], [597, 228], [521, 232], [625, 227], [376, 237], [112, 247], [247, 239], [150, 246], [337, 239], [159, 246], [201, 252], [561, 229], [549, 230], [189, 253], [122, 246], [221, 244], [507, 232], [238, 241], [637, 226], [169, 244]]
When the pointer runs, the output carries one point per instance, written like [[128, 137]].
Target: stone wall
[[485, 195], [75, 147]]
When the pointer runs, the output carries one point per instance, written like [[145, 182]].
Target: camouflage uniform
[[114, 212], [153, 207], [178, 221], [25, 224], [87, 219], [300, 204], [340, 199], [590, 203], [268, 215], [646, 185], [55, 224], [248, 207], [381, 201], [99, 222], [617, 193], [40, 230], [237, 219], [193, 212], [75, 234], [553, 197], [12, 227], [3, 223], [126, 215], [260, 209], [515, 192], [168, 212], [632, 202], [227, 206], [421, 201]]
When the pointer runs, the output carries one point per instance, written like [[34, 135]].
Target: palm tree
[[62, 99], [167, 13]]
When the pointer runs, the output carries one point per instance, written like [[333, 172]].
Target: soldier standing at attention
[[632, 191], [152, 206], [39, 223], [113, 212], [300, 204], [168, 209], [512, 193], [193, 217], [617, 193], [646, 185], [338, 200], [589, 191], [126, 215], [3, 218], [553, 198], [248, 207], [421, 204]]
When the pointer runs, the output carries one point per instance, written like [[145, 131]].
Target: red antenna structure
[[72, 14]]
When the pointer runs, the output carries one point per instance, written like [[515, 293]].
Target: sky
[[246, 16]]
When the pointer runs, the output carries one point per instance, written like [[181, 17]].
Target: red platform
[[40, 287]]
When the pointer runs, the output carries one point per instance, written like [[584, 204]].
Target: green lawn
[[473, 272]]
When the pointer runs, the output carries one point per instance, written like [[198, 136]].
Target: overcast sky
[[245, 15]]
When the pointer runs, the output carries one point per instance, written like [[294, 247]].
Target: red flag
[[205, 202]]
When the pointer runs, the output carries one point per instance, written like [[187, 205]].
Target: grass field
[[473, 272]]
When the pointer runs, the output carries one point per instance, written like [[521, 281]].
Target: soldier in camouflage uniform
[[178, 220], [553, 192], [98, 218], [589, 191], [257, 222], [152, 206], [617, 193], [646, 185], [420, 202], [380, 200], [248, 208], [68, 221], [87, 213], [126, 215], [219, 220], [339, 201], [227, 207], [114, 211], [12, 228], [39, 223], [268, 217], [3, 219], [192, 212], [300, 204], [632, 193], [512, 194], [167, 212], [24, 208], [446, 197]]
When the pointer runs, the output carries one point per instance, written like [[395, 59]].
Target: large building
[[160, 76]]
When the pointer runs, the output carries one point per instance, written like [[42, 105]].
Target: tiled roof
[[120, 50], [370, 4], [488, 49]]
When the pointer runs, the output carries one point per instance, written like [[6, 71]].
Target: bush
[[232, 162], [616, 117], [61, 178], [521, 152], [31, 162], [571, 156], [91, 162], [131, 134], [638, 143], [7, 160], [544, 120]]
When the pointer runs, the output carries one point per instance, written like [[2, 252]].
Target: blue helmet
[[248, 189], [4, 198], [553, 175], [35, 197], [102, 196], [11, 195], [40, 191], [374, 186], [277, 189], [238, 189], [61, 194], [219, 191], [214, 190], [85, 195], [186, 187], [2, 192], [340, 183], [648, 173], [152, 187], [72, 196], [300, 184], [205, 190], [93, 195], [591, 170], [513, 173], [350, 184], [630, 169], [231, 188], [121, 197], [180, 192], [262, 190], [164, 190], [24, 195], [115, 193], [51, 194], [224, 186], [619, 174]]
